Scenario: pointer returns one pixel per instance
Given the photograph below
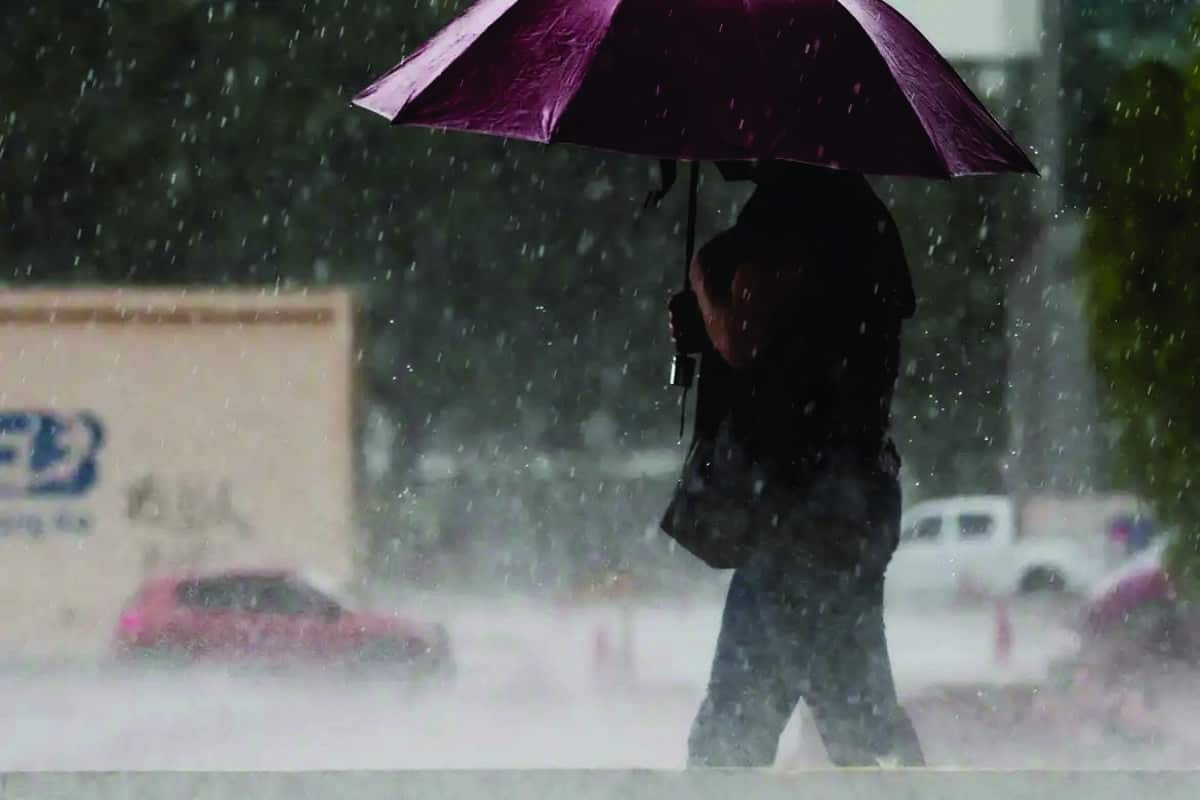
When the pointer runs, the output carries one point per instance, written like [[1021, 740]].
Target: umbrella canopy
[[849, 84]]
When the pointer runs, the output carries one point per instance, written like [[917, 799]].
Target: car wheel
[[1043, 580], [394, 657], [380, 653], [154, 657]]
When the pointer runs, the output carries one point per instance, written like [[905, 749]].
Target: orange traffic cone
[[1004, 633]]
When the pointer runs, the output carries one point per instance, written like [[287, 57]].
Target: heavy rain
[[334, 444]]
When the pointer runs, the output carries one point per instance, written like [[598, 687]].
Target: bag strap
[[713, 394]]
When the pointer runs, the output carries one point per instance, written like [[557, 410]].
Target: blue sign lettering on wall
[[48, 455], [48, 463]]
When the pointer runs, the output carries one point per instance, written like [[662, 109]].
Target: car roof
[[181, 577]]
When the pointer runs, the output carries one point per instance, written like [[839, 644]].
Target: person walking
[[797, 312]]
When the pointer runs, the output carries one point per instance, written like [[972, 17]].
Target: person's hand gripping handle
[[690, 337], [687, 325]]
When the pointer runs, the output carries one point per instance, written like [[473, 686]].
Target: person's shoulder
[[721, 257], [726, 245]]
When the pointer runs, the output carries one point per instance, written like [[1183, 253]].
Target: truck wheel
[[1039, 580]]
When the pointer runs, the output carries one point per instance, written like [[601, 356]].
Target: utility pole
[[1052, 403]]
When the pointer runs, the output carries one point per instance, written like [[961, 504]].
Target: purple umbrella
[[842, 83], [849, 84]]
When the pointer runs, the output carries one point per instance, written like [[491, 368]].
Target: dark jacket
[[828, 376], [818, 400]]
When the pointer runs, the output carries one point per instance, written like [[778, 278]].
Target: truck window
[[976, 526], [926, 529]]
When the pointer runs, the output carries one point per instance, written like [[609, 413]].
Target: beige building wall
[[227, 441]]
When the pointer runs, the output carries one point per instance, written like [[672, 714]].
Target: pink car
[[273, 617]]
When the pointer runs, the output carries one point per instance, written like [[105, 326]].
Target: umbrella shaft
[[693, 198], [683, 367]]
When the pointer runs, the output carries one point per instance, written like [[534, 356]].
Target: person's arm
[[741, 299]]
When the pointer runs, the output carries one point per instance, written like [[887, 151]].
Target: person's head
[[835, 218], [789, 193]]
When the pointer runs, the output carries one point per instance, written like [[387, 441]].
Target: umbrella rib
[[560, 105], [953, 75], [939, 157], [364, 98]]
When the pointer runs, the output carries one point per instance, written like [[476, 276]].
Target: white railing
[[603, 785]]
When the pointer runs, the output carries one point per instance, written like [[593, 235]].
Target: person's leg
[[830, 604], [747, 705], [852, 694]]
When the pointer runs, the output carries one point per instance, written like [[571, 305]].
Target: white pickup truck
[[974, 544]]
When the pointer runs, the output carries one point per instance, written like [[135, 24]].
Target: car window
[[242, 594], [315, 600], [976, 526], [264, 595], [923, 530], [283, 597], [212, 594]]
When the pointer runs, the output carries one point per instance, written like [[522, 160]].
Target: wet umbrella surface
[[844, 83]]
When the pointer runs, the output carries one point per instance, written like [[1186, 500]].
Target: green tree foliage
[[1142, 265], [1102, 39]]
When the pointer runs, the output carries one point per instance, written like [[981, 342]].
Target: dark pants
[[804, 621]]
